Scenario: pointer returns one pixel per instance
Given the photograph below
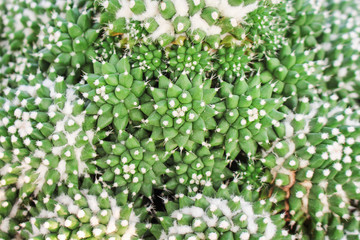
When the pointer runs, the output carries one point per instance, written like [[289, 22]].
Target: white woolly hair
[[24, 168], [197, 22], [151, 11], [93, 204], [125, 11], [4, 170], [47, 214], [14, 209], [196, 212], [51, 86], [131, 230], [116, 210], [57, 150], [111, 227], [90, 134], [222, 205], [40, 181], [180, 229], [270, 230], [226, 10], [71, 97], [61, 168], [2, 194], [69, 202], [35, 230], [5, 225], [164, 27], [39, 154], [181, 7], [28, 89]]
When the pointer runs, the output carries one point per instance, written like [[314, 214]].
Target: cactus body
[[179, 119]]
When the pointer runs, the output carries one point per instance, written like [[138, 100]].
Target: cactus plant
[[179, 119], [224, 213], [87, 213]]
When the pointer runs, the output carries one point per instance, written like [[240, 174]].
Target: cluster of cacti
[[225, 213], [88, 211], [179, 119], [313, 158]]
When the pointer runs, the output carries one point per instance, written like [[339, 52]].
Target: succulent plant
[[338, 41], [225, 213], [191, 170], [149, 59], [114, 90], [179, 119], [92, 212], [164, 21], [181, 112], [132, 163], [67, 43], [314, 159], [189, 58], [42, 137]]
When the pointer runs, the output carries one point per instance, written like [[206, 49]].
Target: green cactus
[[43, 138], [313, 159], [92, 212], [179, 119], [224, 213]]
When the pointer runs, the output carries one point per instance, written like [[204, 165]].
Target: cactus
[[179, 119], [224, 213], [44, 137], [87, 213], [313, 160]]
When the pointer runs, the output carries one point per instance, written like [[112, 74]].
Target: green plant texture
[[180, 119]]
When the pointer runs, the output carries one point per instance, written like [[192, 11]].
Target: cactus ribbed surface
[[179, 119]]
